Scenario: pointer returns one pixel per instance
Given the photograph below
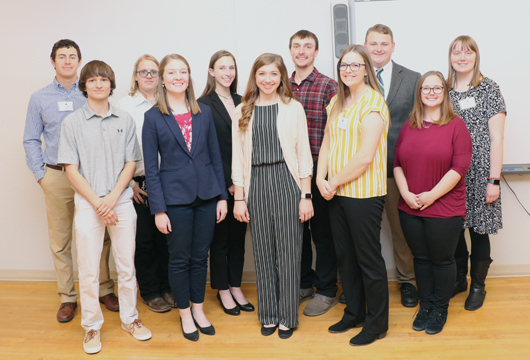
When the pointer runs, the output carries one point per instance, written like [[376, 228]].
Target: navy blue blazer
[[183, 175]]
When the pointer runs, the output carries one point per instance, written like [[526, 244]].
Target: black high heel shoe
[[234, 311], [209, 330], [248, 307], [193, 336]]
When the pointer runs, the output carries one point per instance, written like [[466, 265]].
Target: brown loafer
[[111, 302], [66, 312], [168, 297], [158, 305]]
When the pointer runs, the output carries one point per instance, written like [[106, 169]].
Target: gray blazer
[[400, 101]]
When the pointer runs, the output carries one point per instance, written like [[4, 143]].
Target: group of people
[[171, 178]]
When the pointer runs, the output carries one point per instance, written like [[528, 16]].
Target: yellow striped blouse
[[345, 143]]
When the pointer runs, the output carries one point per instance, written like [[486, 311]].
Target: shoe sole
[[139, 337], [410, 305], [92, 350], [323, 311]]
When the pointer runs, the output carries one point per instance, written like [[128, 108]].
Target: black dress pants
[[356, 226], [151, 257], [227, 251], [433, 243], [324, 277]]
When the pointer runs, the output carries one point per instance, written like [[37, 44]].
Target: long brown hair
[[162, 104], [418, 112], [134, 83], [210, 82], [343, 91], [252, 93], [467, 43]]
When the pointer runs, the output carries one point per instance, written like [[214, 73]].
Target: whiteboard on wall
[[423, 30]]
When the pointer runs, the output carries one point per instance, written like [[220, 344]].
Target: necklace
[[426, 127], [224, 97]]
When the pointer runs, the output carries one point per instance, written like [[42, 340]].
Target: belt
[[315, 157], [55, 167]]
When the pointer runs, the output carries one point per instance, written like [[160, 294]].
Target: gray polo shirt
[[100, 145]]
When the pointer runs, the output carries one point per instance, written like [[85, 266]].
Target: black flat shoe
[[193, 336], [285, 334], [342, 298], [364, 338], [266, 331], [342, 327], [409, 295], [248, 307], [234, 311], [209, 330]]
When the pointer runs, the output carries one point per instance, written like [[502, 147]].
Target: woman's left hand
[[305, 210], [222, 209], [492, 193], [425, 199]]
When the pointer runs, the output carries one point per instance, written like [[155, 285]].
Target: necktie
[[380, 81]]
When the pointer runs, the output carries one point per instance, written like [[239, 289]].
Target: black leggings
[[480, 246]]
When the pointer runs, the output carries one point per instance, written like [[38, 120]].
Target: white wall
[[119, 31]]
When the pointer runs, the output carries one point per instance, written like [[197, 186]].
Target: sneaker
[[436, 321], [92, 342], [158, 305], [409, 295], [305, 294], [137, 330], [320, 305], [421, 319]]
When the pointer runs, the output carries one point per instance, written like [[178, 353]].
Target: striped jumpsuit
[[273, 204]]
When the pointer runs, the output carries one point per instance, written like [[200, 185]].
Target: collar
[[387, 68], [89, 113], [311, 77], [58, 85], [138, 99]]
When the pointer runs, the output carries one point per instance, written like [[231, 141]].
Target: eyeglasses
[[144, 73], [425, 90], [352, 66]]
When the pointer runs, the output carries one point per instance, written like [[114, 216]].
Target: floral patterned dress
[[483, 218]]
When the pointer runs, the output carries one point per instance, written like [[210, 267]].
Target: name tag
[[342, 122], [66, 105], [467, 103]]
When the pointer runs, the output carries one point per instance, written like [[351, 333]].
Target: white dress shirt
[[136, 106]]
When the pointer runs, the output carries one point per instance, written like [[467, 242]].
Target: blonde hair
[[418, 111], [134, 83], [343, 91], [467, 43], [252, 93], [162, 104], [210, 82]]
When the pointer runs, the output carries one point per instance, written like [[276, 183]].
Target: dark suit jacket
[[223, 126], [183, 176], [400, 101]]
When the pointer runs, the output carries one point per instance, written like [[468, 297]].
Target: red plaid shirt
[[315, 93]]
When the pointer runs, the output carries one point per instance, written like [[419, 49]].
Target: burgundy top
[[426, 155], [184, 121]]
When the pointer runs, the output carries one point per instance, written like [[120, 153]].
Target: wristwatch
[[494, 181], [307, 196]]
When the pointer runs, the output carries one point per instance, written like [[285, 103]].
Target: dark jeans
[[324, 277], [480, 246], [151, 257], [188, 244], [356, 226], [433, 243], [227, 251]]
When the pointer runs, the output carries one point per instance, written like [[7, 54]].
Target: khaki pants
[[59, 198], [402, 255]]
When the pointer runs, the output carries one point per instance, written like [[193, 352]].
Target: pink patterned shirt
[[184, 121]]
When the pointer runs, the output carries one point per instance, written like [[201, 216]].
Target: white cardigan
[[294, 140]]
